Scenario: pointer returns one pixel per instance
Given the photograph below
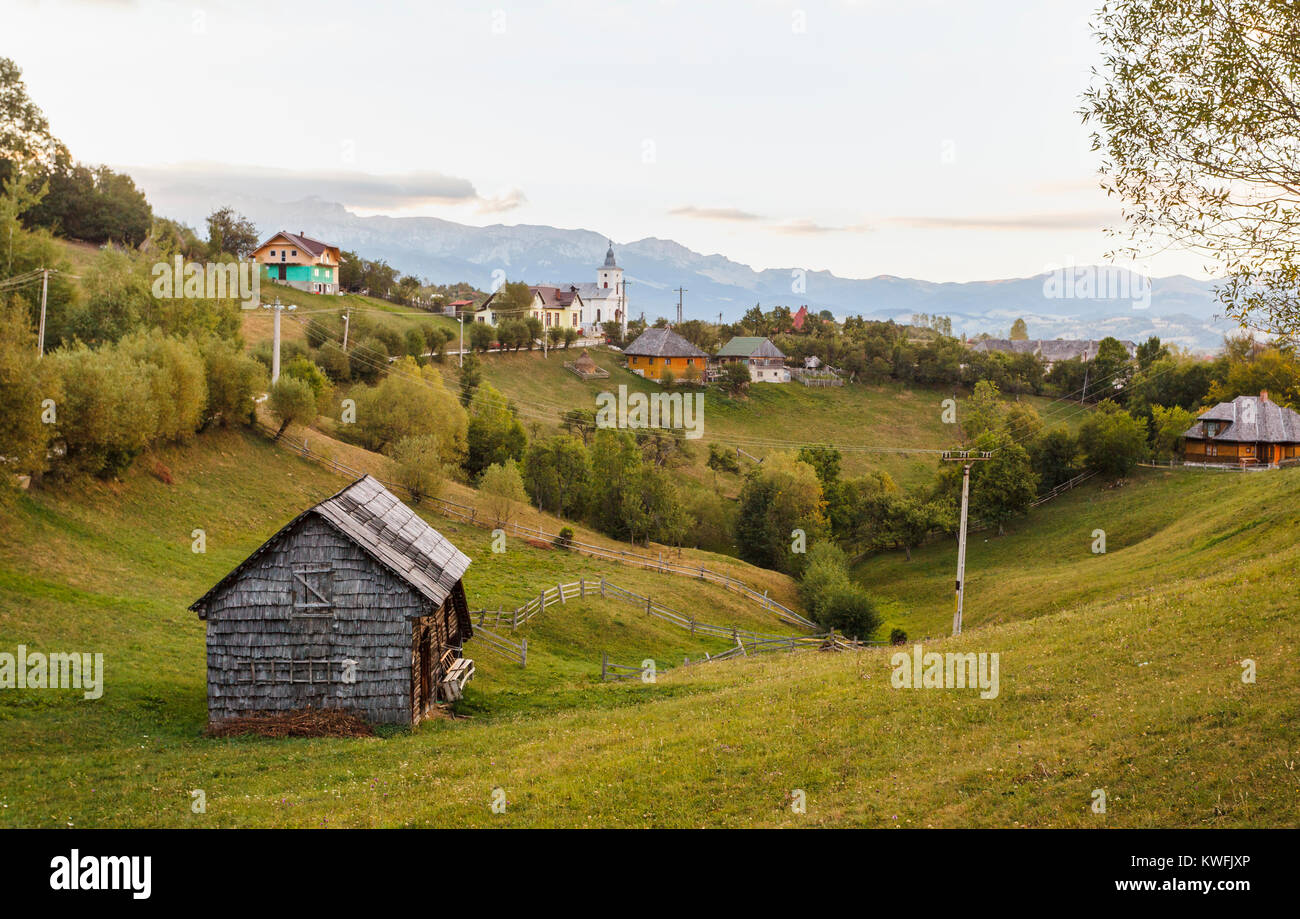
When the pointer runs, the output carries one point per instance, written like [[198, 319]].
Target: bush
[[565, 539], [850, 610], [825, 572], [25, 382], [502, 489], [293, 402], [418, 466], [302, 368], [897, 637], [178, 388], [234, 380], [411, 400], [108, 414]]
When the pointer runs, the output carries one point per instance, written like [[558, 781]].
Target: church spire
[[609, 256]]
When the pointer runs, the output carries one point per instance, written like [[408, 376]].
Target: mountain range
[[1179, 309]]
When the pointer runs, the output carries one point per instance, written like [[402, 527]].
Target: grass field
[[861, 420], [1119, 672]]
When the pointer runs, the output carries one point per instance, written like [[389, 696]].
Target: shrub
[[234, 380], [178, 385], [293, 402], [565, 539], [411, 400], [418, 466], [502, 489], [897, 636], [850, 610], [108, 414]]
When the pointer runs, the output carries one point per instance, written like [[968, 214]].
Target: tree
[[292, 401], [230, 232], [102, 419], [1196, 116], [851, 610], [417, 464], [780, 497], [826, 572], [25, 138], [412, 400], [735, 377], [24, 385], [557, 475], [503, 491], [615, 470], [909, 519], [495, 434], [1054, 455], [1167, 428], [984, 410], [1019, 331], [234, 380], [471, 375], [1113, 441]]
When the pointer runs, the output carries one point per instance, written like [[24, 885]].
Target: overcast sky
[[921, 138]]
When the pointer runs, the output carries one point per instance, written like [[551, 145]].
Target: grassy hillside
[[865, 421], [1130, 683], [1164, 526]]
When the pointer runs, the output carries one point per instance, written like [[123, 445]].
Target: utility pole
[[1085, 376], [460, 317], [347, 324], [276, 308], [680, 291], [45, 287], [966, 458]]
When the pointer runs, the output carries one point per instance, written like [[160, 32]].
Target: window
[[313, 590], [272, 252], [295, 253]]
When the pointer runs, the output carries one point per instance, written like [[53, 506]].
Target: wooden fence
[[518, 653], [582, 588], [470, 514], [826, 642]]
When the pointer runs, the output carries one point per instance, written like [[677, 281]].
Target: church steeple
[[609, 256]]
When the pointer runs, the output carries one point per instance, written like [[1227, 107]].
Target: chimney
[[1263, 395]]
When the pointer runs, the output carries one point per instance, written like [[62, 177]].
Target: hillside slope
[[1138, 695]]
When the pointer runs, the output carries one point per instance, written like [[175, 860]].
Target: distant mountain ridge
[[1182, 310]]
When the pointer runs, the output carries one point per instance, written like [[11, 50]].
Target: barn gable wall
[[265, 614]]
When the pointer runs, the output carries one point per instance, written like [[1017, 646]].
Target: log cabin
[[355, 604], [657, 351], [1248, 431]]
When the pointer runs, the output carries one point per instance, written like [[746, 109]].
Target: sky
[[935, 139]]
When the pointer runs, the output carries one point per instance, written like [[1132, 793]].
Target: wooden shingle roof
[[388, 531], [662, 343], [1249, 419]]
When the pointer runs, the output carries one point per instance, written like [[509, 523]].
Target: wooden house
[[657, 350], [765, 360], [355, 604], [1248, 431], [301, 262]]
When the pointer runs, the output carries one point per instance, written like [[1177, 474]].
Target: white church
[[605, 300]]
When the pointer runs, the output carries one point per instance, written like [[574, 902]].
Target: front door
[[284, 272]]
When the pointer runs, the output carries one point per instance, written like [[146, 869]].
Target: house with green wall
[[300, 261]]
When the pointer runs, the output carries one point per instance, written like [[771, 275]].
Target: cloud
[[1063, 220], [364, 190], [794, 226], [713, 213], [506, 200]]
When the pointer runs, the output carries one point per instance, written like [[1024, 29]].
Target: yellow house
[[553, 307], [659, 350], [301, 262]]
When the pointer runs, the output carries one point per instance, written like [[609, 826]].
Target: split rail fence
[[470, 514]]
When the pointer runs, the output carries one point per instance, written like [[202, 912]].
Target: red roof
[[798, 319]]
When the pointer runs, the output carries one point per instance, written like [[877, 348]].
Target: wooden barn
[[356, 604]]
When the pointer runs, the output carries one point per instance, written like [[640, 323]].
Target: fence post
[[602, 585], [692, 626], [647, 606], [541, 602], [582, 588], [604, 660], [523, 654], [560, 588]]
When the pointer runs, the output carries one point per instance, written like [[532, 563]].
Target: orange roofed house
[[301, 262], [1248, 431], [658, 350]]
